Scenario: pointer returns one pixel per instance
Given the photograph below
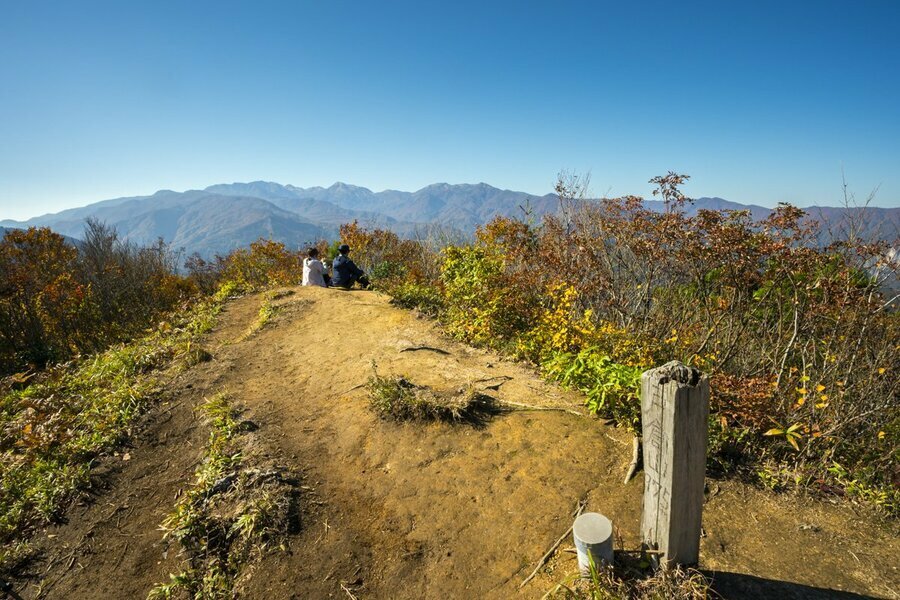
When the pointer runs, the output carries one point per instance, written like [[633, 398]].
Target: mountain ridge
[[225, 216]]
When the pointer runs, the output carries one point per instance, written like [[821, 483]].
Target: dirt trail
[[435, 510]]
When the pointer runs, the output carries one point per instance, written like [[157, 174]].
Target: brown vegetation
[[799, 339], [58, 301]]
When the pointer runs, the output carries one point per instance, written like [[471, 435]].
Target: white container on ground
[[593, 537]]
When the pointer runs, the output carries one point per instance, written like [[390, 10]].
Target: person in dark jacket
[[345, 272]]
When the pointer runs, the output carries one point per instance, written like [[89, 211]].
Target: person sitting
[[345, 271], [313, 269]]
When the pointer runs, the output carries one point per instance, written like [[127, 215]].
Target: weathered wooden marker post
[[674, 411]]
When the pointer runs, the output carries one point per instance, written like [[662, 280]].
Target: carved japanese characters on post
[[674, 412]]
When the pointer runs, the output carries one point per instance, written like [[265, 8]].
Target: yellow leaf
[[824, 397], [881, 371], [774, 431], [801, 391], [821, 405], [801, 401], [880, 435], [820, 388], [793, 442]]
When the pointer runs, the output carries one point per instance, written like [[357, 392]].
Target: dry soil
[[412, 510]]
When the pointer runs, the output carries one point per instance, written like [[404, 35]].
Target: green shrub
[[425, 298], [611, 388]]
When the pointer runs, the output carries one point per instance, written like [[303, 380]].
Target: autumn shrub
[[799, 339], [40, 299], [130, 284], [206, 275], [388, 259], [265, 263], [490, 300], [58, 300]]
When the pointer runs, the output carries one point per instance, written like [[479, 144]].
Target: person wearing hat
[[345, 272]]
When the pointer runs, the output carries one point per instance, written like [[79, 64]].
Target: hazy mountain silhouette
[[70, 240], [226, 216]]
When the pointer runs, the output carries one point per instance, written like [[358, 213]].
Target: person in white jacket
[[313, 269]]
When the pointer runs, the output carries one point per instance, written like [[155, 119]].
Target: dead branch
[[355, 387], [505, 378], [555, 545], [521, 406], [429, 348], [493, 383], [635, 456]]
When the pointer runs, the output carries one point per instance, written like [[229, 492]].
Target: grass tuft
[[267, 312], [232, 513], [612, 583], [396, 398]]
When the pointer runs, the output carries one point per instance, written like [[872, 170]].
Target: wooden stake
[[674, 413]]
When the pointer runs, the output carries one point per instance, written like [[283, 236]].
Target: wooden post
[[674, 412]]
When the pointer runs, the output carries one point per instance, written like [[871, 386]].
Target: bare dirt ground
[[423, 510]]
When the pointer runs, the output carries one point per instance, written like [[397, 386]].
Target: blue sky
[[759, 102]]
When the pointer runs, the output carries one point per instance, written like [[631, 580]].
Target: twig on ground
[[497, 382], [521, 406], [612, 439], [349, 593], [555, 545], [579, 508], [635, 456], [429, 348], [355, 387], [324, 533], [500, 379]]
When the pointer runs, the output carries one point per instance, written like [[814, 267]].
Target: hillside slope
[[424, 510]]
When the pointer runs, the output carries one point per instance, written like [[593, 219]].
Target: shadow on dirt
[[738, 586]]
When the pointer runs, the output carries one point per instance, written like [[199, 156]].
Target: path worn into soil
[[426, 510]]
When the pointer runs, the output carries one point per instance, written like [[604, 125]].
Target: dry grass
[[238, 508], [612, 583], [396, 398], [56, 430]]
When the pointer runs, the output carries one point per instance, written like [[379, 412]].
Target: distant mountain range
[[226, 216], [70, 240]]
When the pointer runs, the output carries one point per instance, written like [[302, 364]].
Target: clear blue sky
[[759, 102]]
